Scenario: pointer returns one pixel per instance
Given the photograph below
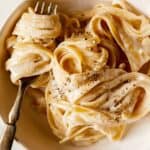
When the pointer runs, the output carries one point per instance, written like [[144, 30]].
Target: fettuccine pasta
[[92, 68]]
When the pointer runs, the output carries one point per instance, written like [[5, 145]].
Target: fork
[[6, 141]]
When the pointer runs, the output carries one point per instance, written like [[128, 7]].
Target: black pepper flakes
[[68, 79]]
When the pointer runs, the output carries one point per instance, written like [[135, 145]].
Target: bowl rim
[[23, 5]]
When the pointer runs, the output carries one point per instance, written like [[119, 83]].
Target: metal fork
[[41, 7]]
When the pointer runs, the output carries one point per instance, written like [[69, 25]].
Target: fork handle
[[7, 138], [9, 133]]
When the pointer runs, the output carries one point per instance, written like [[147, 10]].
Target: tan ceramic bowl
[[32, 129]]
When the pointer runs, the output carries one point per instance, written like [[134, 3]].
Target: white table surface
[[7, 6]]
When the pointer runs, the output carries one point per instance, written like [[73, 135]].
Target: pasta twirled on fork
[[28, 60]]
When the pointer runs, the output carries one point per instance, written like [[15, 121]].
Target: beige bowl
[[32, 129]]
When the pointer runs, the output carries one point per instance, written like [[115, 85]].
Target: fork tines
[[42, 7]]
